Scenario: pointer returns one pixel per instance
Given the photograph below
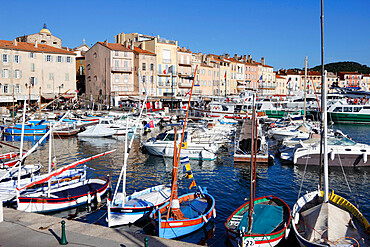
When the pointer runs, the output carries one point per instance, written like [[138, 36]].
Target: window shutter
[[20, 58], [62, 59], [51, 58], [34, 55], [35, 80], [20, 74], [46, 58], [14, 74], [14, 58]]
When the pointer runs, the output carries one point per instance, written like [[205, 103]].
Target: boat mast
[[125, 166], [324, 110], [173, 196], [252, 180], [305, 88], [22, 141], [50, 147]]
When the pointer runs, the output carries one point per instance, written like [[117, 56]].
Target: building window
[[17, 59], [17, 88], [166, 56], [32, 55], [48, 58], [59, 59], [116, 53], [151, 79], [95, 78], [5, 73], [32, 81], [89, 78], [5, 58], [17, 74], [32, 67], [5, 88], [144, 66], [116, 78], [152, 67], [51, 76], [144, 78], [68, 59], [95, 55], [125, 89], [88, 67], [125, 54], [125, 78]]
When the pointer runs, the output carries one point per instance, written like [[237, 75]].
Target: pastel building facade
[[110, 73], [33, 68]]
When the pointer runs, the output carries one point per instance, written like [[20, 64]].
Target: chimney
[[183, 49], [227, 55], [126, 44], [106, 42], [236, 56], [36, 43], [249, 58], [15, 43], [245, 58], [263, 60]]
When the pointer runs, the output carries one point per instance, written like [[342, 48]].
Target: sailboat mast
[[125, 166], [22, 141], [174, 176], [251, 193], [50, 149], [305, 88], [324, 110]]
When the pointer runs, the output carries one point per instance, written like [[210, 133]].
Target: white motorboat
[[98, 130], [162, 145]]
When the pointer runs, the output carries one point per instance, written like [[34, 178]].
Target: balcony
[[121, 69], [184, 75], [183, 63]]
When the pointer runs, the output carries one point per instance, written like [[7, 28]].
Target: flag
[[151, 124], [260, 79], [288, 80], [186, 166], [164, 71], [192, 184], [225, 74], [149, 105]]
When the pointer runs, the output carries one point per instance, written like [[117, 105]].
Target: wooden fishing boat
[[270, 224], [261, 221], [321, 218], [188, 213], [62, 197]]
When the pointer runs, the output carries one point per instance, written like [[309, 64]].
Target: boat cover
[[327, 221], [265, 219], [194, 208], [97, 131]]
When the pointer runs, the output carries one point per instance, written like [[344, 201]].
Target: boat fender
[[89, 198], [355, 101], [175, 203], [332, 155], [205, 219], [287, 230], [296, 218], [214, 213], [364, 157], [272, 125]]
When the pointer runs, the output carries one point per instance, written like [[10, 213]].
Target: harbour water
[[226, 181]]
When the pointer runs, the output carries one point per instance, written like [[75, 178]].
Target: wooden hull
[[176, 228], [238, 238], [68, 196]]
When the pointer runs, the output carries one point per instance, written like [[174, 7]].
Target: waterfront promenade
[[30, 229]]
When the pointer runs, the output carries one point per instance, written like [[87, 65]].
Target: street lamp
[[59, 87]]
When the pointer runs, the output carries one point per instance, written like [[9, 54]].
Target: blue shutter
[[20, 58], [159, 68], [20, 74]]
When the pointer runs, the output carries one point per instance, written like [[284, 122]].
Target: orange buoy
[[355, 101], [272, 125]]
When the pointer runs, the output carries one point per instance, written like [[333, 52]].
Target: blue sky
[[283, 32]]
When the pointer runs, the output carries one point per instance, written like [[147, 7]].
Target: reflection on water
[[228, 183]]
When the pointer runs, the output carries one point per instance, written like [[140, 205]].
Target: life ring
[[355, 101], [281, 98], [272, 125]]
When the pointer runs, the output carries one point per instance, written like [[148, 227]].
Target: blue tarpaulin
[[265, 219]]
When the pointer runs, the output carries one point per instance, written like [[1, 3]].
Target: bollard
[[146, 240], [63, 239]]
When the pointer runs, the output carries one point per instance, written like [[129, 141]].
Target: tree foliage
[[344, 67]]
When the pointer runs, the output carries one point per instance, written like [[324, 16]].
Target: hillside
[[344, 67]]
